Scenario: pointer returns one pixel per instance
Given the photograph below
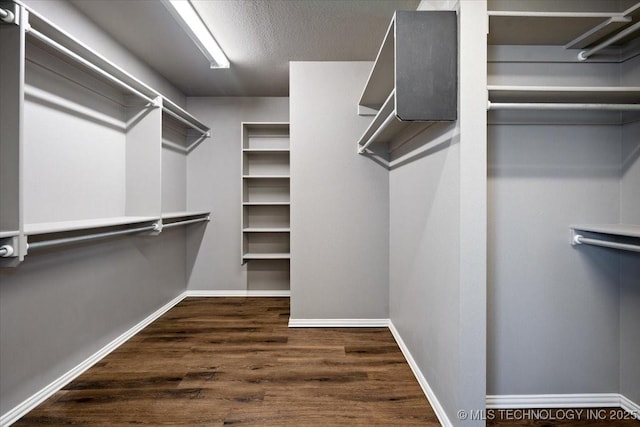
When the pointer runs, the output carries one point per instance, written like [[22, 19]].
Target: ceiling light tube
[[191, 22]]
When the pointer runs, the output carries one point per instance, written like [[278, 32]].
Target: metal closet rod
[[185, 222], [186, 122], [579, 239], [560, 106], [78, 239], [57, 46], [390, 118], [6, 15], [6, 251], [585, 54]]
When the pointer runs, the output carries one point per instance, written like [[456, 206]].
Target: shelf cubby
[[265, 204]]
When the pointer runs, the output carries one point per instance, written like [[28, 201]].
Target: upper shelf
[[408, 82], [185, 118], [63, 44], [419, 76], [574, 30], [569, 94], [184, 214]]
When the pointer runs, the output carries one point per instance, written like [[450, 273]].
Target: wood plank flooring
[[234, 361]]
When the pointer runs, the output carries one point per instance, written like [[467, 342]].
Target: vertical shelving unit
[[265, 204]]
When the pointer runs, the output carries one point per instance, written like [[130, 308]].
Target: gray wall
[[629, 261], [213, 183], [339, 200], [556, 311], [437, 241], [61, 306], [553, 311]]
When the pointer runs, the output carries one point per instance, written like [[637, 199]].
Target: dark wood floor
[[234, 361]]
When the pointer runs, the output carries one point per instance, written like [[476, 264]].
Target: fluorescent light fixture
[[192, 24]]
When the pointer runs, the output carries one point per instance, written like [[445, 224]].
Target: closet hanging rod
[[559, 106], [6, 15], [57, 46], [78, 239], [579, 239], [390, 118], [186, 222], [585, 54], [186, 122]]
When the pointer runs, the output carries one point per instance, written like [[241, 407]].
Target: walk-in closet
[[320, 212]]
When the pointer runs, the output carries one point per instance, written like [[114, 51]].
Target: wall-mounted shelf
[[565, 94], [184, 214], [409, 83], [265, 176], [265, 150], [578, 104], [624, 230], [593, 32], [65, 226], [116, 174], [266, 203], [266, 256], [624, 237], [266, 230], [7, 234]]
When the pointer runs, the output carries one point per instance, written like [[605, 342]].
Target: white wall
[[339, 199], [213, 183]]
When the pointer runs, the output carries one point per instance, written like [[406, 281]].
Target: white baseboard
[[630, 407], [588, 400], [338, 323], [426, 388], [237, 293], [27, 405]]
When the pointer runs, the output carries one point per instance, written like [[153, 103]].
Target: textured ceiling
[[260, 37]]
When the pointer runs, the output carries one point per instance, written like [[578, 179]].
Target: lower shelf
[[253, 255]]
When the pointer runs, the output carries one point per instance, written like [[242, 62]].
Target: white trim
[[426, 388], [338, 323], [588, 400], [30, 403], [237, 293], [630, 407]]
